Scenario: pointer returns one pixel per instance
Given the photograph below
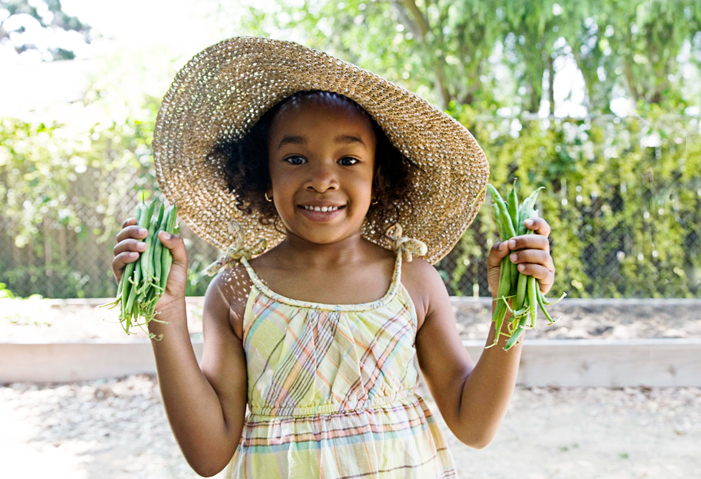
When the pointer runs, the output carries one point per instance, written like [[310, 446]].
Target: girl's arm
[[205, 406], [473, 399]]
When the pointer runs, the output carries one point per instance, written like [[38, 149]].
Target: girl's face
[[321, 154]]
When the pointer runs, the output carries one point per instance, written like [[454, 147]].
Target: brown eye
[[354, 161], [295, 160]]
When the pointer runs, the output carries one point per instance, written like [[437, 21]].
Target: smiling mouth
[[323, 209]]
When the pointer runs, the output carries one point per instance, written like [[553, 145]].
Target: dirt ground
[[117, 429]]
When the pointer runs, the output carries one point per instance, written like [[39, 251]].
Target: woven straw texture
[[223, 90]]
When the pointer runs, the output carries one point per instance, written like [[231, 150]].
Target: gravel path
[[117, 429]]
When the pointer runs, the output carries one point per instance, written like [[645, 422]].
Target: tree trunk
[[441, 84], [551, 84]]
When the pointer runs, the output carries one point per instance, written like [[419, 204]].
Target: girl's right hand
[[129, 247]]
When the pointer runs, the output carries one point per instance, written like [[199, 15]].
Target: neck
[[306, 254]]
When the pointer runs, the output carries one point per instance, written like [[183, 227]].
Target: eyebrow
[[300, 140]]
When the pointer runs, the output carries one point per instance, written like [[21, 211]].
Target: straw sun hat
[[223, 90]]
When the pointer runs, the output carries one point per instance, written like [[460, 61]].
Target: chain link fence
[[63, 263]]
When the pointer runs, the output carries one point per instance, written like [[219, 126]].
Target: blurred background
[[597, 100]]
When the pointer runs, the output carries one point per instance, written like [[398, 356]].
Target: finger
[[533, 256], [541, 273], [536, 241], [176, 245], [129, 245], [498, 252], [539, 225], [121, 260], [132, 231], [129, 221]]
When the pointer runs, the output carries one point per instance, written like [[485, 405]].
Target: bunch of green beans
[[144, 280], [521, 288]]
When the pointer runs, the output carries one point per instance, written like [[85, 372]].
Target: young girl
[[321, 314]]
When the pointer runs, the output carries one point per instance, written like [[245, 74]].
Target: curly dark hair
[[247, 174]]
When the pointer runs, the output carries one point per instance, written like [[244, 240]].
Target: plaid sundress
[[331, 391]]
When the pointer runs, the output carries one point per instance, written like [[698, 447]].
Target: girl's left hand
[[531, 250]]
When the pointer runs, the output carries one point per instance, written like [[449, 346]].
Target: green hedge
[[623, 198], [625, 217]]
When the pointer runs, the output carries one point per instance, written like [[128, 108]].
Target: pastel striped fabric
[[331, 391]]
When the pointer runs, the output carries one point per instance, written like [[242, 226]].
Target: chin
[[332, 234]]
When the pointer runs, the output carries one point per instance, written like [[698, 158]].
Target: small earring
[[266, 196], [374, 201]]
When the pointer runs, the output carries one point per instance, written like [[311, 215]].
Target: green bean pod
[[148, 277], [520, 291], [158, 255], [512, 209], [166, 255], [495, 194], [142, 263], [546, 303], [153, 233], [516, 335], [514, 338], [158, 246], [500, 309], [135, 278], [508, 224], [501, 226], [532, 305], [130, 306], [504, 289], [542, 308], [532, 299], [512, 203], [526, 211], [124, 284]]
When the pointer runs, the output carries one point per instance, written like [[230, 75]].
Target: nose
[[322, 177]]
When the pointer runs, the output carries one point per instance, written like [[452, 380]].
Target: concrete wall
[[566, 363]]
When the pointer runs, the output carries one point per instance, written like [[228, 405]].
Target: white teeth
[[322, 208]]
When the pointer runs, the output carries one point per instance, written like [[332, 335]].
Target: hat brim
[[223, 90]]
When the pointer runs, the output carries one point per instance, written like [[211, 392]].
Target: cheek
[[279, 180], [362, 187]]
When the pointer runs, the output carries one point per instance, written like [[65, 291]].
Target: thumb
[[176, 245], [499, 252]]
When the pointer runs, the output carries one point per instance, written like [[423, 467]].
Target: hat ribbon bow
[[404, 245], [236, 251]]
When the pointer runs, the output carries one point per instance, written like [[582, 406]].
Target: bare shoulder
[[230, 289], [424, 284]]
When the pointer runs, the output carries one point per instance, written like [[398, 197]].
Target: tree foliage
[[450, 50]]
